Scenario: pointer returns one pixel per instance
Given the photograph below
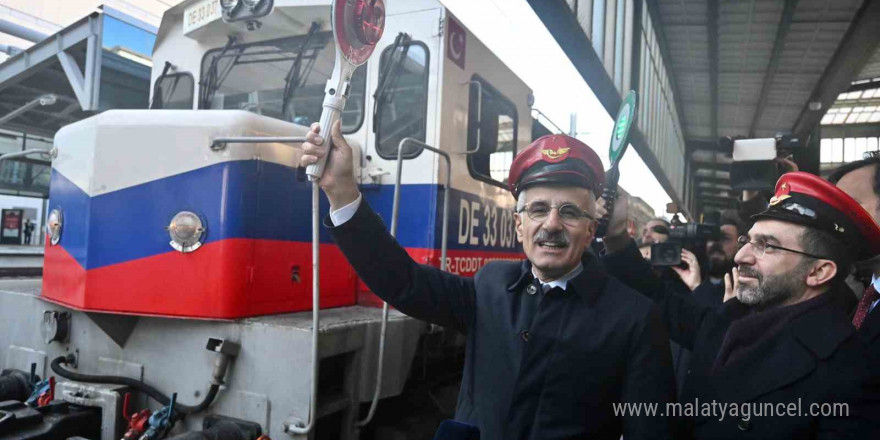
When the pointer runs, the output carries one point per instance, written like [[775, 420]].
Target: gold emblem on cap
[[555, 154], [779, 198], [784, 187]]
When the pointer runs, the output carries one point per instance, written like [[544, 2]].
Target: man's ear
[[517, 218], [821, 273], [591, 227]]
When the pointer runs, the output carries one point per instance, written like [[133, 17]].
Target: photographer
[[687, 279], [721, 248], [656, 230], [785, 337]]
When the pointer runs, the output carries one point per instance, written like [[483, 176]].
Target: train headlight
[[53, 226], [230, 5], [252, 10], [186, 231]]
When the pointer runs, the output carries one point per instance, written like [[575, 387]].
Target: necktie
[[868, 298]]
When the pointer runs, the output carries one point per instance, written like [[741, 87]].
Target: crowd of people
[[776, 321]]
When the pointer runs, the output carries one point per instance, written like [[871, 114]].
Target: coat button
[[531, 289], [525, 335], [743, 425]]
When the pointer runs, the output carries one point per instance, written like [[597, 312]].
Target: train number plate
[[200, 14]]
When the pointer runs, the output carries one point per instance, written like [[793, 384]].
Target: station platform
[[21, 260]]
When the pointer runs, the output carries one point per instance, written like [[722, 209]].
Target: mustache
[[557, 237], [749, 272]]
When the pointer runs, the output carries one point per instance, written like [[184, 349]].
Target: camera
[[690, 236]]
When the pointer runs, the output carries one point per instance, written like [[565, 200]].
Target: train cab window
[[496, 127], [283, 78], [402, 98], [173, 91]]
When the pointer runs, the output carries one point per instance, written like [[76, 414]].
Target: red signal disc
[[369, 19], [358, 26]]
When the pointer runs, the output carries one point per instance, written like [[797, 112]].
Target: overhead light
[[186, 231], [230, 5], [49, 99], [815, 105], [53, 226]]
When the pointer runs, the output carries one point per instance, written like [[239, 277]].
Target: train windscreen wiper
[[389, 74], [210, 83], [296, 75]]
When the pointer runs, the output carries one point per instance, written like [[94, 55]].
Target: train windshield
[[282, 78]]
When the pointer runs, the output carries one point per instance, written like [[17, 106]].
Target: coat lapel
[[773, 365], [792, 354]]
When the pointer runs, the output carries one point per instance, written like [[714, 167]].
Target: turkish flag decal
[[456, 39]]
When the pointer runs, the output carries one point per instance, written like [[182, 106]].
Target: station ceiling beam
[[773, 66], [855, 49], [850, 131]]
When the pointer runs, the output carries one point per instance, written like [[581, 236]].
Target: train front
[[153, 214]]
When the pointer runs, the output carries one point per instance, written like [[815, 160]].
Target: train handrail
[[219, 144], [51, 154], [479, 116], [395, 210]]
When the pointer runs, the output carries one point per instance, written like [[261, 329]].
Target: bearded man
[[785, 341]]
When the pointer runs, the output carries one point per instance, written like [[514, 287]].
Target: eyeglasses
[[568, 212], [760, 246]]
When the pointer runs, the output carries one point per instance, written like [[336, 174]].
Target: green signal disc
[[622, 126]]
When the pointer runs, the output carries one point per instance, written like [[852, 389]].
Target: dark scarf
[[749, 332]]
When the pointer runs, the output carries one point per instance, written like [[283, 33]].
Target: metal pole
[[41, 101], [221, 142], [395, 211], [10, 50], [23, 32], [50, 153], [316, 288]]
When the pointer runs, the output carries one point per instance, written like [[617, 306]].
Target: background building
[[23, 183]]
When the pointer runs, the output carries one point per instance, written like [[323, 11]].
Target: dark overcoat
[[708, 294], [815, 358], [538, 366], [869, 332]]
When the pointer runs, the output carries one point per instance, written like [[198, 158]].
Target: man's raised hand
[[338, 179]]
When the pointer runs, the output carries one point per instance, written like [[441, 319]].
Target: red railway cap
[[806, 199], [556, 159]]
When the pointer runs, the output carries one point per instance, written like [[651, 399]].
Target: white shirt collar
[[562, 282]]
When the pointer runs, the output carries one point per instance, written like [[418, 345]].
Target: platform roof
[[100, 62], [758, 67]]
